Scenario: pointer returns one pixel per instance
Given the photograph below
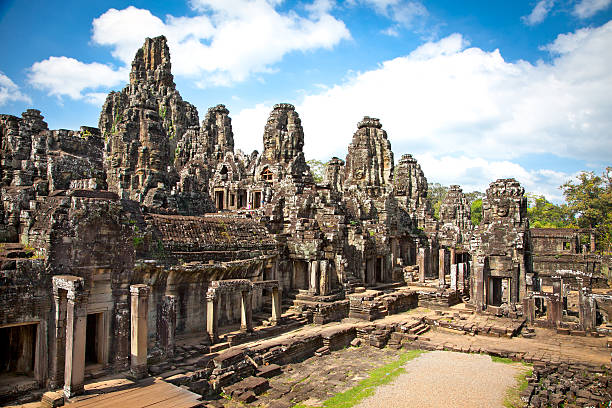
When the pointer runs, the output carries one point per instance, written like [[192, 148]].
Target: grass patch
[[513, 394], [503, 360], [365, 388]]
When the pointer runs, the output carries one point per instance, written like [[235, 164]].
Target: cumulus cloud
[[588, 8], [476, 174], [62, 76], [466, 103], [225, 43], [539, 12], [454, 99], [229, 41], [9, 91]]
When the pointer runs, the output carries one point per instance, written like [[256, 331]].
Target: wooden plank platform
[[147, 393]]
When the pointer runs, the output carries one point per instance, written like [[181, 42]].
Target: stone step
[[215, 348]]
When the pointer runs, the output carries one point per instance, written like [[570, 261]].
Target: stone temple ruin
[[119, 241]]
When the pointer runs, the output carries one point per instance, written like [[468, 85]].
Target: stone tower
[[141, 126], [455, 217], [283, 136], [501, 247], [369, 162], [217, 132]]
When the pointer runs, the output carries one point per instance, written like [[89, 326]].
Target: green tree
[[476, 211], [436, 193], [589, 201], [317, 169], [544, 214]]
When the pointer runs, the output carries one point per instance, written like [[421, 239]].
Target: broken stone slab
[[255, 384], [52, 399], [269, 371]]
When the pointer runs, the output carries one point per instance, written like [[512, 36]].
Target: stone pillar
[[461, 270], [121, 338], [529, 309], [139, 308], [166, 325], [276, 306], [325, 281], [442, 258], [478, 279], [76, 331], [421, 264], [587, 308], [212, 316], [453, 256], [57, 347], [592, 241], [454, 277], [246, 315], [314, 278]]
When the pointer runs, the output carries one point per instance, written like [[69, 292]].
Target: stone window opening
[[567, 246], [232, 200], [267, 175]]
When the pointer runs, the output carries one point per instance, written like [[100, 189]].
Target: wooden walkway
[[147, 393]]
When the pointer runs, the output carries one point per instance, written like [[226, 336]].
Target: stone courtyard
[[149, 256]]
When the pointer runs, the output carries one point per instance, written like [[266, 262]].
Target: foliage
[[589, 203], [436, 193], [365, 388], [317, 169], [544, 214], [476, 211]]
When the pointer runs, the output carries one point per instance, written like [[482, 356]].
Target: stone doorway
[[219, 200], [94, 339], [18, 349], [496, 291], [257, 199], [380, 270]]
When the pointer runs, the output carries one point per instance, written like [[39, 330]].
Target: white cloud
[[9, 91], [471, 104], [539, 12], [476, 174], [588, 8], [62, 76], [248, 126], [229, 41], [409, 14]]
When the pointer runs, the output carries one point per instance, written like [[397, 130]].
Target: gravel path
[[447, 379]]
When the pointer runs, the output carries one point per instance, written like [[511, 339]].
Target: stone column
[[421, 264], [139, 307], [454, 277], [276, 306], [246, 316], [212, 316], [442, 267], [478, 279], [453, 256], [76, 331], [461, 269], [587, 309], [166, 325], [529, 309], [314, 278], [57, 347], [324, 283]]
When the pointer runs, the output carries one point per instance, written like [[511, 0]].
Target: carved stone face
[[155, 160], [502, 209], [358, 173]]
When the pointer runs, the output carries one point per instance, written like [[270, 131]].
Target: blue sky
[[475, 90]]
